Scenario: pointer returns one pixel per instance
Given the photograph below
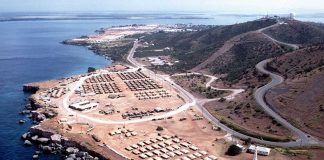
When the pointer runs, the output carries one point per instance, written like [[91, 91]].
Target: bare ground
[[244, 113]]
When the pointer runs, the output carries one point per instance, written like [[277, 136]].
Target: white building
[[260, 150], [84, 105], [156, 61]]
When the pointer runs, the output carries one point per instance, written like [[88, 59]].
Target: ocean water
[[30, 51]]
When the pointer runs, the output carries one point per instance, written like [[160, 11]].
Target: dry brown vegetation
[[196, 85], [244, 115], [244, 55], [193, 48], [297, 32], [302, 91]]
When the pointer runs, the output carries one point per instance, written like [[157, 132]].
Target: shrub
[[159, 128], [248, 141], [91, 69], [234, 150], [222, 99]]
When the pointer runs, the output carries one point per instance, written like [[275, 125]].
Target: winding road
[[100, 121], [189, 99], [304, 139], [260, 93], [259, 96], [234, 92]]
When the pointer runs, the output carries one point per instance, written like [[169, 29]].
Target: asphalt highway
[[303, 140]]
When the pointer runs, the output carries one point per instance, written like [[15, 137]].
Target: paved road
[[259, 97], [188, 97], [191, 101], [231, 42], [100, 121], [293, 46], [234, 92], [304, 139]]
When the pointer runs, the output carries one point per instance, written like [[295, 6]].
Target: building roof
[[259, 148], [83, 105]]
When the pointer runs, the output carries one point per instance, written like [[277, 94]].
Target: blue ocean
[[30, 50]]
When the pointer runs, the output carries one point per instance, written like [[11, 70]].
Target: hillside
[[302, 91], [238, 62], [244, 55], [299, 63], [116, 51], [297, 32], [192, 48]]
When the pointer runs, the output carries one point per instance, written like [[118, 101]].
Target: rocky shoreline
[[74, 42], [50, 141]]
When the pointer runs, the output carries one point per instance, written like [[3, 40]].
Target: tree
[[222, 99], [248, 141], [91, 69], [234, 150]]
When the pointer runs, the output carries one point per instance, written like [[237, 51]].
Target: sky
[[223, 6]]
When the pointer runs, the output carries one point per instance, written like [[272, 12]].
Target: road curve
[[293, 46], [234, 92], [260, 93], [192, 100], [259, 96], [304, 139], [188, 97]]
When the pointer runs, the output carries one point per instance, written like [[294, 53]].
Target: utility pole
[[255, 157]]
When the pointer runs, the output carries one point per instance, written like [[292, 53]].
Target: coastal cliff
[[67, 145]]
